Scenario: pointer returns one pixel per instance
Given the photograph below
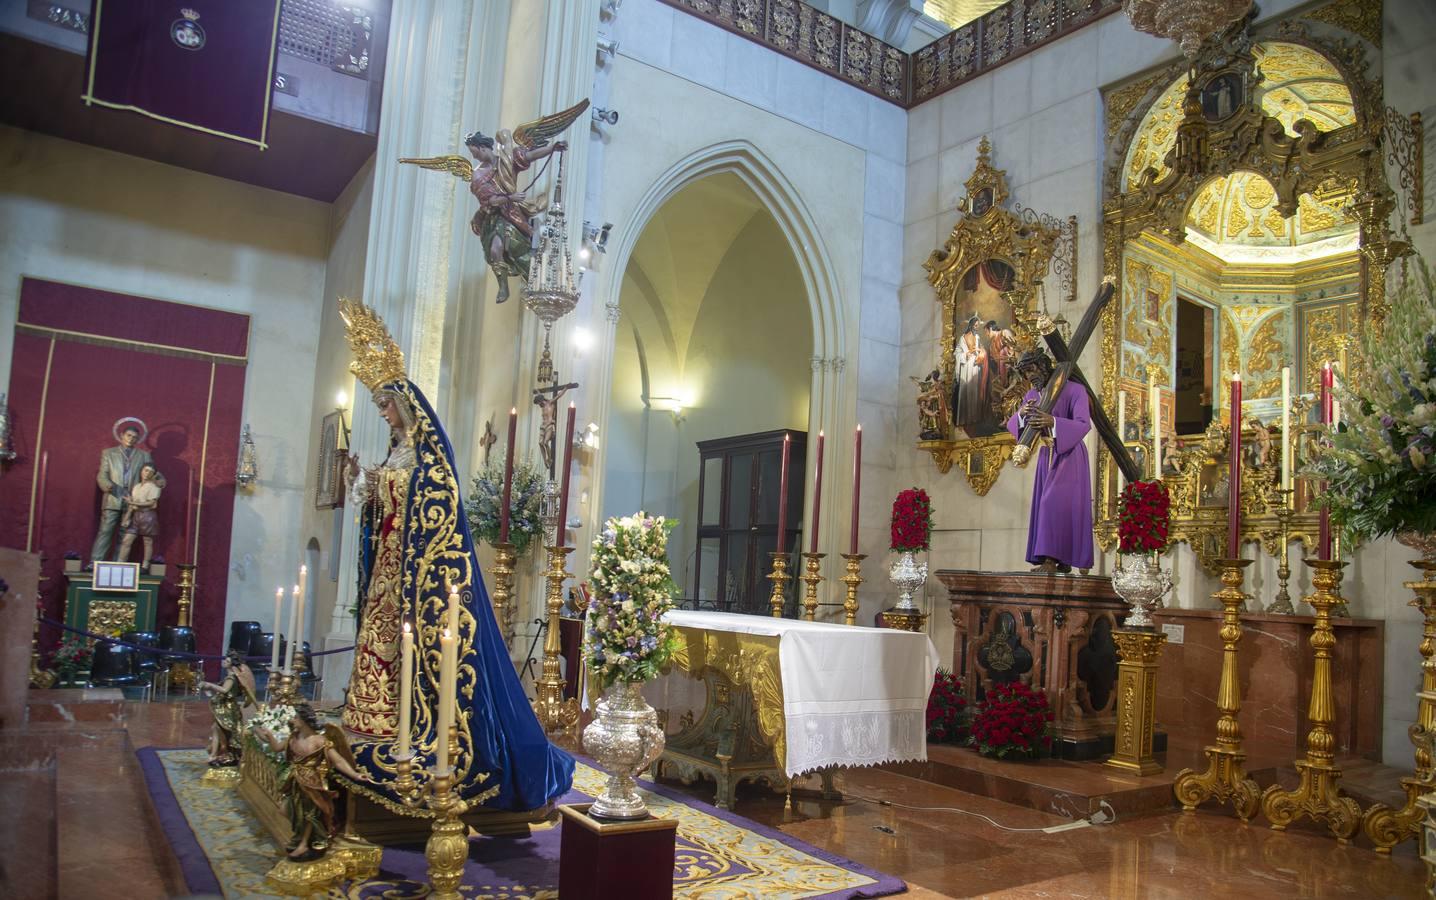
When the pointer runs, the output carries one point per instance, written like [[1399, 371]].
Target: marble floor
[[108, 842]]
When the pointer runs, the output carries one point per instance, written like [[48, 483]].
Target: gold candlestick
[[555, 714], [39, 678], [780, 578], [448, 847], [1338, 609], [405, 785], [1140, 654], [812, 563], [502, 594], [852, 578], [1387, 827], [1319, 794], [186, 597], [1282, 604], [285, 692], [1225, 779]]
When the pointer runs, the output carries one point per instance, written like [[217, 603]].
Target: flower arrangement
[[1144, 517], [911, 521], [1380, 466], [525, 502], [947, 709], [1012, 718], [72, 656], [625, 638], [275, 719]]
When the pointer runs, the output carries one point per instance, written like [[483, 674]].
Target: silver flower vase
[[625, 739], [909, 575], [1141, 582]]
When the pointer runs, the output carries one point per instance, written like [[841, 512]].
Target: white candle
[[299, 620], [274, 650], [1121, 429], [446, 700], [453, 623], [1156, 400], [406, 688], [303, 583], [293, 630], [1286, 428]]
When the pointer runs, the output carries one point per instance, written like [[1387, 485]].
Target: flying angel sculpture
[[504, 221]]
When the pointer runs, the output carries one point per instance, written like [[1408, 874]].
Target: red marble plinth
[[21, 571], [100, 705], [1275, 670], [1063, 623], [610, 860]]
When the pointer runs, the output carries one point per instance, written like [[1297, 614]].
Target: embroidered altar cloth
[[851, 696]]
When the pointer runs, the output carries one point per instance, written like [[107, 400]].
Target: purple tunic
[[1061, 521]]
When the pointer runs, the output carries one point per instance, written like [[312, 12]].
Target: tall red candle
[[37, 542], [508, 477], [1234, 478], [783, 496], [188, 513], [561, 534], [1323, 540], [817, 497], [857, 487]]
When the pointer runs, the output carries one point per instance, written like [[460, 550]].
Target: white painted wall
[[74, 213]]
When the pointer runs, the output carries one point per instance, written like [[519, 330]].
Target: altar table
[[753, 697]]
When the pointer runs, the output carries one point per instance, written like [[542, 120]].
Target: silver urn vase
[[1141, 582], [909, 575], [625, 739]]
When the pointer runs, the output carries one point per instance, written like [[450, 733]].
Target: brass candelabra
[[780, 578], [405, 784], [555, 714], [503, 592], [1225, 779], [1319, 795], [812, 577], [186, 597], [1387, 827], [39, 677], [853, 562], [1282, 604], [283, 689], [448, 847]]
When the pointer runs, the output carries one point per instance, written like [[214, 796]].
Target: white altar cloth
[[852, 696]]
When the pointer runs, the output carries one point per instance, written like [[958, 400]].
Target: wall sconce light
[[609, 9], [341, 406], [247, 472], [673, 405], [587, 439], [601, 116], [606, 47]]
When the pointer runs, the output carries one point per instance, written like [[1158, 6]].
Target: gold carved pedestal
[[182, 674], [812, 577], [1387, 827], [1225, 779], [780, 578], [1319, 795], [852, 577], [448, 846], [502, 594], [1140, 654], [555, 714], [904, 619]]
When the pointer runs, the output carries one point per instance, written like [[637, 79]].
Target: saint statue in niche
[[985, 349], [504, 221], [931, 407], [118, 475]]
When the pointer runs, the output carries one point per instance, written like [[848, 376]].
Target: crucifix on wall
[[546, 399], [488, 440]]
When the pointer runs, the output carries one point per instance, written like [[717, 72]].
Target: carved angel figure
[[313, 753], [504, 221]]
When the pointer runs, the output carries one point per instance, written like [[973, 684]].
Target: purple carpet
[[214, 836]]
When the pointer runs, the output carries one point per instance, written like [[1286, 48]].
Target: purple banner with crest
[[201, 64]]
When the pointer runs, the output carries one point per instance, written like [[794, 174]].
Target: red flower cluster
[[1012, 718], [946, 709], [1145, 513], [912, 521]]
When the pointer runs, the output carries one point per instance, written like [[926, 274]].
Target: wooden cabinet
[[738, 485]]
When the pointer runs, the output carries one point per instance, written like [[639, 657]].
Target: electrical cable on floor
[[1103, 816]]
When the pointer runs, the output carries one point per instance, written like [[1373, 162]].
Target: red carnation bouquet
[[912, 521], [1145, 517], [947, 709], [1012, 718]]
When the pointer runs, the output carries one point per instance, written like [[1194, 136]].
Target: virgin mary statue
[[414, 545]]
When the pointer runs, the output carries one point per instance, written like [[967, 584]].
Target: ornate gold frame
[[1029, 242], [1249, 140]]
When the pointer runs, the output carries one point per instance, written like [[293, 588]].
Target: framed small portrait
[[1153, 306], [117, 577], [981, 202], [329, 480], [1222, 96]]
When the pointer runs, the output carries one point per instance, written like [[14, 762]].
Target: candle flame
[[296, 590], [446, 635], [406, 627], [820, 432], [513, 410], [303, 570], [860, 428], [279, 591], [1236, 376]]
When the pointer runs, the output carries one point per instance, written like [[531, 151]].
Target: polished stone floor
[[108, 843]]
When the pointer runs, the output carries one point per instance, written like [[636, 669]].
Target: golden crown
[[377, 359], [189, 14]]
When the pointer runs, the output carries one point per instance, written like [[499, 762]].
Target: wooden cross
[[488, 440], [1066, 356]]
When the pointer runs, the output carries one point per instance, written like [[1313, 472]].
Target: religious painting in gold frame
[[988, 280], [1301, 152]]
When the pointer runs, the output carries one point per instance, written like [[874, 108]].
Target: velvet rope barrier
[[171, 654]]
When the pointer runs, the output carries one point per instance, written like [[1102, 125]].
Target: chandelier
[[551, 291], [1188, 22]]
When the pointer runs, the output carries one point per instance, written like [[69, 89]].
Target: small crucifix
[[548, 423], [488, 440]]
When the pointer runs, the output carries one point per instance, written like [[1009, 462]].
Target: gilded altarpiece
[[989, 280], [1268, 187]]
